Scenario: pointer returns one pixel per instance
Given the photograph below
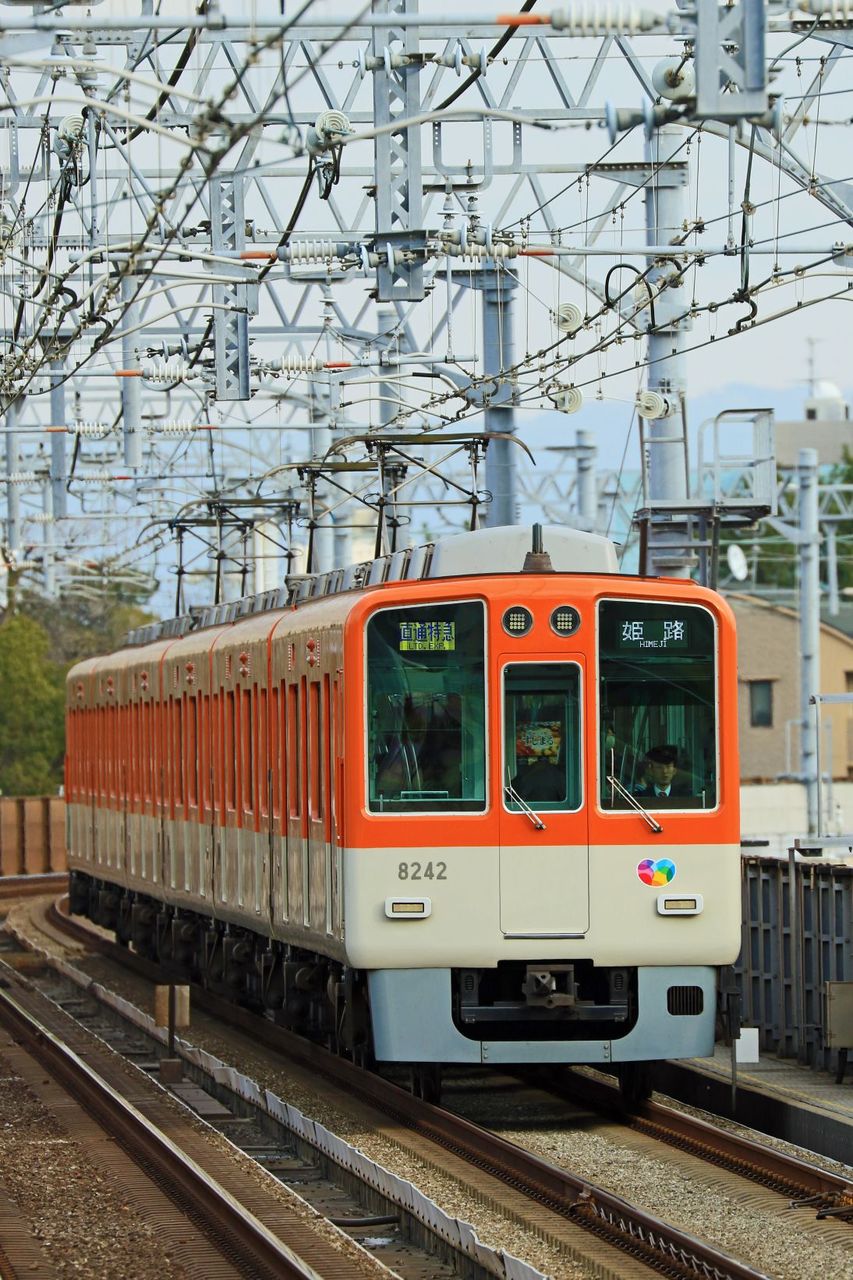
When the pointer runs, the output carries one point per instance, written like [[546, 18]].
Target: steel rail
[[778, 1170], [29, 886], [220, 1214], [663, 1247]]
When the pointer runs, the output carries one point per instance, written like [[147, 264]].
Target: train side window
[[657, 705], [230, 752], [542, 736], [276, 754], [247, 732], [294, 745], [315, 749], [426, 709], [192, 750]]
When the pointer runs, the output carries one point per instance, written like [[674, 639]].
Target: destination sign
[[657, 633], [427, 636]]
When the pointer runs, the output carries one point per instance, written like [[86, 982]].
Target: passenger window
[[426, 709], [542, 736], [657, 700]]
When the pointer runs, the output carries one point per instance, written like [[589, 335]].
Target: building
[[825, 426], [769, 691]]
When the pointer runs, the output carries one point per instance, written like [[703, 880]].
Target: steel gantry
[[231, 250]]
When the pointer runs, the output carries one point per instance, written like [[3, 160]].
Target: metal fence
[[32, 835], [797, 936]]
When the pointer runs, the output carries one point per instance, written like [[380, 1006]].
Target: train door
[[544, 838]]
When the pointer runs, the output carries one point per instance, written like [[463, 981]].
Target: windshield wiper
[[524, 806], [634, 802]]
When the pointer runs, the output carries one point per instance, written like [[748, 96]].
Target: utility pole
[[59, 496], [499, 355], [13, 496], [131, 391], [666, 209], [809, 545]]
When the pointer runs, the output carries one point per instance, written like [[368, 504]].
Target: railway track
[[641, 1234], [230, 1239]]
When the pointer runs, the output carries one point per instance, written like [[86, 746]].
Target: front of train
[[541, 859]]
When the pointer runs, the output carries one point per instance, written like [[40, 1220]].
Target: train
[[474, 802]]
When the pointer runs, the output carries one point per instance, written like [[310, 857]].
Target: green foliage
[[80, 626], [39, 640], [31, 710]]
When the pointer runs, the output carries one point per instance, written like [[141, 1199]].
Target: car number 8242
[[422, 871]]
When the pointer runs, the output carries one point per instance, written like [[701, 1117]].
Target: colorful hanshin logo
[[656, 873]]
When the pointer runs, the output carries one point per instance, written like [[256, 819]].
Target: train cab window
[[657, 705], [542, 737], [426, 709]]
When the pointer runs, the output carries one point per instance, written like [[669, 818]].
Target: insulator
[[19, 477], [173, 427], [837, 9], [315, 250], [569, 317], [566, 399], [165, 368], [477, 252], [70, 128], [95, 477], [90, 428], [288, 365], [591, 18], [674, 79], [652, 405], [320, 136]]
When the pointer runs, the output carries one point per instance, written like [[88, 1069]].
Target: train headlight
[[565, 620], [685, 905], [407, 908], [517, 620]]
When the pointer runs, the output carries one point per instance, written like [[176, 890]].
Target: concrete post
[[807, 518], [49, 551], [13, 493], [832, 568], [499, 355], [59, 496], [666, 210], [131, 390]]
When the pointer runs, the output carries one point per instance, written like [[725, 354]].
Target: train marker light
[[407, 908], [686, 906]]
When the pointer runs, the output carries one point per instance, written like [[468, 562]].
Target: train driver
[[661, 779]]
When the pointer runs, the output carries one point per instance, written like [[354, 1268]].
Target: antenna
[[736, 560]]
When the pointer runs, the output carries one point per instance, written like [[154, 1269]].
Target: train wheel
[[635, 1082], [426, 1082]]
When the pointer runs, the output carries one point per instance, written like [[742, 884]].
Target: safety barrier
[[797, 936]]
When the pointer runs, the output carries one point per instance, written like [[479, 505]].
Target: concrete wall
[[777, 812]]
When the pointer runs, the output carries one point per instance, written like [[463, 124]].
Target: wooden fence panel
[[32, 835]]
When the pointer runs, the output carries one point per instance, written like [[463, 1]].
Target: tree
[[31, 709], [39, 640]]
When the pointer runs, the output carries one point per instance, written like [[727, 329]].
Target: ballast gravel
[[761, 1230], [85, 1226]]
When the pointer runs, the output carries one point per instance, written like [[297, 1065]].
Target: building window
[[761, 704]]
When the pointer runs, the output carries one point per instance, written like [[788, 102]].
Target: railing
[[796, 938]]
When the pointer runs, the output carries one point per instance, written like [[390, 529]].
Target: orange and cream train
[[464, 804]]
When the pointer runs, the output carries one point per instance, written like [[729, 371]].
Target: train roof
[[476, 553]]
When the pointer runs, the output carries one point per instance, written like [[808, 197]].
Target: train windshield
[[657, 705], [426, 709], [542, 736]]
